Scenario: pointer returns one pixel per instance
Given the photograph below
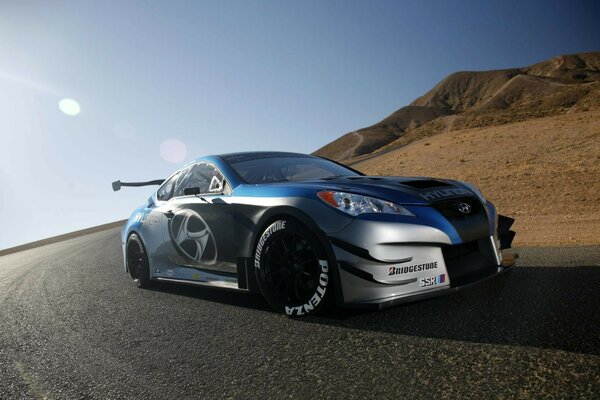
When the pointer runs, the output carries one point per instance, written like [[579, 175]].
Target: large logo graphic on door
[[192, 237]]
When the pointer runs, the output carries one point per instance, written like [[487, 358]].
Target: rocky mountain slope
[[463, 100]]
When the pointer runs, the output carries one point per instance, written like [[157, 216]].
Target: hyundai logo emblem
[[464, 208], [192, 237]]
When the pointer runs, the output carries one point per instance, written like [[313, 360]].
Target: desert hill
[[543, 172], [464, 100]]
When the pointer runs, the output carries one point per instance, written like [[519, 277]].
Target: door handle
[[169, 214]]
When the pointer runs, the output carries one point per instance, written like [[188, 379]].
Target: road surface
[[73, 325]]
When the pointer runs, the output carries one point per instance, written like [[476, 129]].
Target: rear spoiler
[[118, 184]]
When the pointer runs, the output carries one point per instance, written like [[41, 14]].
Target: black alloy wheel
[[292, 269], [137, 261]]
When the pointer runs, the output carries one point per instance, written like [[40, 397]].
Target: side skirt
[[228, 285], [243, 281]]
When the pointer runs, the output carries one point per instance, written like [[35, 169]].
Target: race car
[[305, 231]]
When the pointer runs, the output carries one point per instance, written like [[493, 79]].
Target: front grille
[[469, 262], [449, 208]]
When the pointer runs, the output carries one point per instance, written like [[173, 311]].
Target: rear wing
[[118, 184]]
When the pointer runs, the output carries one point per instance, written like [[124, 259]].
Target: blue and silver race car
[[303, 230]]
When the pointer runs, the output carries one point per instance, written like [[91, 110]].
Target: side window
[[165, 192], [204, 176]]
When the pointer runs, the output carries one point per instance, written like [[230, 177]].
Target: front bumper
[[381, 266], [380, 304]]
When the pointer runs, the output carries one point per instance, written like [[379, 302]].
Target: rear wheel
[[291, 268], [137, 261]]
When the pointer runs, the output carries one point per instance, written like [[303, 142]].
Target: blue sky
[[225, 76]]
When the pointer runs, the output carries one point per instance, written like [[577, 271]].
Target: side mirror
[[116, 185], [191, 191]]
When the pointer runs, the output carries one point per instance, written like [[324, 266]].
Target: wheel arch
[[275, 213]]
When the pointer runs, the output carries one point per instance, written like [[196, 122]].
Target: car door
[[199, 224]]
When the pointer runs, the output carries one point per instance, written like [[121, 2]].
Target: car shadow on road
[[215, 295], [544, 307]]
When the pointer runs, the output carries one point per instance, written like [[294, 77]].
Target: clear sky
[[195, 78]]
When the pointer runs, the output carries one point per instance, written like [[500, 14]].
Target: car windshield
[[270, 169]]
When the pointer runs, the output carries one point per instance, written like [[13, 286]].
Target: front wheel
[[291, 268], [137, 261]]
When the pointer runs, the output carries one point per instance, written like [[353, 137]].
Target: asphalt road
[[73, 325]]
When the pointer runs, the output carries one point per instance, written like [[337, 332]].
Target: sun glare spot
[[173, 151], [69, 107]]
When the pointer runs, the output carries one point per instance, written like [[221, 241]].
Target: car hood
[[402, 190]]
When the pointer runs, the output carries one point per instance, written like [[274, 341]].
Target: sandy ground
[[543, 172]]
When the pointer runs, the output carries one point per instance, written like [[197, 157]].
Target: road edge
[[61, 238]]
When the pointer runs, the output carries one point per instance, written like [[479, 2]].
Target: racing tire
[[137, 261], [291, 268]]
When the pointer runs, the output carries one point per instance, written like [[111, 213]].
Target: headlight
[[355, 204], [475, 190]]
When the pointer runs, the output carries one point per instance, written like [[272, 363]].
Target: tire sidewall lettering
[[323, 280], [274, 227], [317, 297]]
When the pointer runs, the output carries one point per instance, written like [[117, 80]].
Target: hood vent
[[425, 184]]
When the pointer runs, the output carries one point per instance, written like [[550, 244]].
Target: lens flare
[[173, 151], [69, 107]]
